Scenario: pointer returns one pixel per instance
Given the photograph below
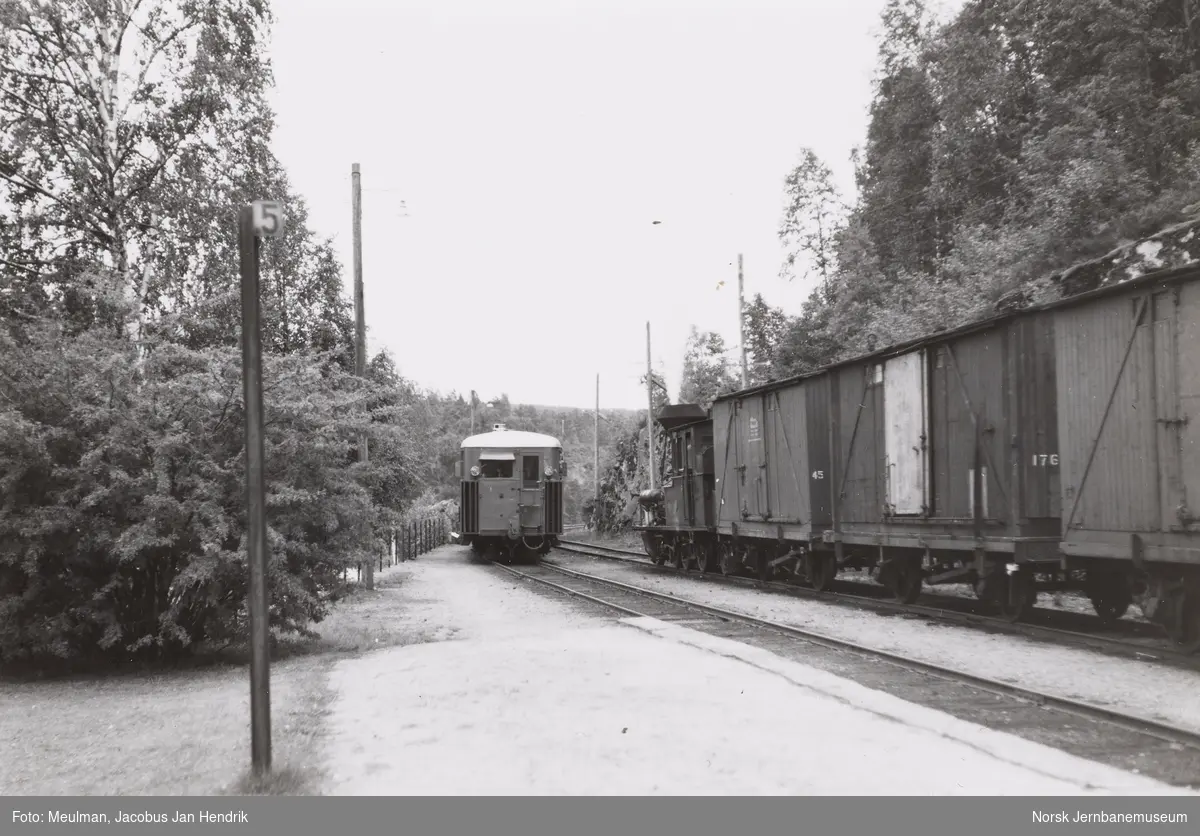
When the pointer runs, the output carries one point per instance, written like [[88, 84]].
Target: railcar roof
[[1172, 274], [511, 439]]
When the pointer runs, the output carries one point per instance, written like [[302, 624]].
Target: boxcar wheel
[[729, 558], [1184, 625], [1109, 594], [703, 557], [906, 581], [762, 561], [1015, 606], [679, 557], [822, 569]]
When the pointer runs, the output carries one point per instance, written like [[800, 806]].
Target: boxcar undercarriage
[[1167, 594]]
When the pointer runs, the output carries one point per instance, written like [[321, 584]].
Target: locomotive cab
[[680, 512]]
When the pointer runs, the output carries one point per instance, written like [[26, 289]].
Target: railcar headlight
[[549, 472], [475, 471]]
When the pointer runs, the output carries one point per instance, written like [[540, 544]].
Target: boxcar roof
[[1173, 274], [511, 439]]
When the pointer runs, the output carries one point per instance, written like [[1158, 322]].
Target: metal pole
[[742, 324], [650, 411], [360, 330], [596, 451], [256, 524]]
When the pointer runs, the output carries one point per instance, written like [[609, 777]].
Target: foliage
[[123, 525], [765, 327], [813, 211], [1004, 145], [707, 371]]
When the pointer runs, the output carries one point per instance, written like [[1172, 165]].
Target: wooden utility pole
[[360, 332], [742, 323], [650, 410], [596, 462], [472, 412]]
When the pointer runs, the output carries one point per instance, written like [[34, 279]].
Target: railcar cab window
[[496, 470], [529, 469]]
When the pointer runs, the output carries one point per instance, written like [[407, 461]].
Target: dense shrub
[[122, 532]]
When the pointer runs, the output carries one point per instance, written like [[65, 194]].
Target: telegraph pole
[[596, 463], [742, 323], [472, 412], [360, 332], [650, 410]]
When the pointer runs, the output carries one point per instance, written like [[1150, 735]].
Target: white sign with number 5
[[268, 218]]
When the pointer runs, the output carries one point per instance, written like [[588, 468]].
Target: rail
[[1160, 750], [1150, 648]]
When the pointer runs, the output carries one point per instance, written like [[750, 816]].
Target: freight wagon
[[1039, 450]]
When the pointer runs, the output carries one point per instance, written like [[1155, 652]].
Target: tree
[[811, 216], [707, 371], [764, 329], [107, 112]]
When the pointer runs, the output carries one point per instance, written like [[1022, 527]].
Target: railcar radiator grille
[[469, 508], [554, 508]]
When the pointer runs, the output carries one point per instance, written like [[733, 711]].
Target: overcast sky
[[534, 143]]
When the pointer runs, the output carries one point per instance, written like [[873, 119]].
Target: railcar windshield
[[496, 470], [529, 469]]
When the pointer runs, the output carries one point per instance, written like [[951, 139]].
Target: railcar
[[511, 493], [773, 497], [1127, 375], [944, 456]]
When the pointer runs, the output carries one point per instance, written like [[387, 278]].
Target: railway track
[[1150, 747], [1134, 640]]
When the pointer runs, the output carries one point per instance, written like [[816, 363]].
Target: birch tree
[[106, 107]]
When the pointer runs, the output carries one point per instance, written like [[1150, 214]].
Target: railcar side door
[[531, 492]]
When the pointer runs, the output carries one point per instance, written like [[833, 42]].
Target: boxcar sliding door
[[906, 414]]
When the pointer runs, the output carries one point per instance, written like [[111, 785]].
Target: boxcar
[[771, 455], [1130, 454], [944, 461], [511, 492], [681, 511]]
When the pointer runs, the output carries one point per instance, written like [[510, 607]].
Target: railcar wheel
[[1184, 624], [651, 545], [822, 569], [762, 562], [683, 557], [703, 557], [1015, 606], [730, 564], [906, 581], [1109, 594], [663, 553]]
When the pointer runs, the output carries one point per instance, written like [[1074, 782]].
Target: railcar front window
[[497, 470], [529, 467]]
